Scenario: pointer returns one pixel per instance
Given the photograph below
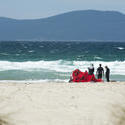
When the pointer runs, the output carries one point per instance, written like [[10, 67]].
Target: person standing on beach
[[91, 69], [100, 71], [107, 73]]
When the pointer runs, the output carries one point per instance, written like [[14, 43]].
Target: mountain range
[[84, 25]]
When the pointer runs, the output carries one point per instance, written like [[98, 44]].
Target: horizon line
[[63, 13]]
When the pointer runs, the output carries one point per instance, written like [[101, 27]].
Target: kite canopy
[[78, 76]]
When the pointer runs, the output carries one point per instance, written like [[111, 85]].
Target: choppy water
[[54, 61]]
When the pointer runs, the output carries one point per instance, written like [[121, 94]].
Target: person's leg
[[107, 78], [99, 76]]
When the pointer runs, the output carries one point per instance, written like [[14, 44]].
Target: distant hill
[[76, 25]]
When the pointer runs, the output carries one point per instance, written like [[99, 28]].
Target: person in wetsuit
[[107, 73], [91, 69], [100, 72]]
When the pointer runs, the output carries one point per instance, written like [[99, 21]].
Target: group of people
[[100, 72], [88, 76]]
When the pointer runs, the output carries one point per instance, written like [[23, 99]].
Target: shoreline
[[56, 82], [61, 103]]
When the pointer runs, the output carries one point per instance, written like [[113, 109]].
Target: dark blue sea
[[55, 61]]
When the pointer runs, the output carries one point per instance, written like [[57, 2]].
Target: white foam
[[116, 67], [31, 51], [120, 48], [35, 81], [97, 57]]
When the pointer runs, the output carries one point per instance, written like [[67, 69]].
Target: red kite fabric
[[78, 76]]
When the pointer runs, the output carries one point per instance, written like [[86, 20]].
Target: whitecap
[[4, 54], [120, 48], [97, 57], [17, 54], [31, 51]]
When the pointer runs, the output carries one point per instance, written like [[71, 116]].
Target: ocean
[[55, 61]]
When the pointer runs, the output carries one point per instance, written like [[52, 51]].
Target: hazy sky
[[27, 9]]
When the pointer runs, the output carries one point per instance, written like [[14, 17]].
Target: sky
[[34, 9]]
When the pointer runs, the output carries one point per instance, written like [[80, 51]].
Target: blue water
[[55, 61]]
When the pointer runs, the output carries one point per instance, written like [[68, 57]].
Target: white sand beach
[[62, 103]]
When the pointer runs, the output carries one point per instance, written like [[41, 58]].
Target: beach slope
[[62, 103]]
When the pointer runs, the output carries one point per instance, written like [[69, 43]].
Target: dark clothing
[[91, 71], [107, 78], [99, 76], [107, 74], [100, 71]]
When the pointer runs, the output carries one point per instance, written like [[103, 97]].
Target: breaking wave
[[116, 67]]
